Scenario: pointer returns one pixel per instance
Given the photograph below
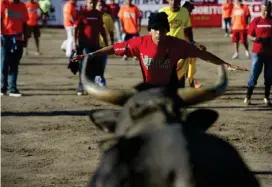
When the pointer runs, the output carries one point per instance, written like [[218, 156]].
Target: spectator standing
[[130, 18], [45, 8], [114, 14], [109, 28], [179, 20], [69, 18], [88, 28], [260, 33], [227, 7], [14, 16], [32, 25], [240, 19]]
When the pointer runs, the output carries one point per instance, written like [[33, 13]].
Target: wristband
[[193, 42], [90, 54]]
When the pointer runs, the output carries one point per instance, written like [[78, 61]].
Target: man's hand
[[201, 47], [235, 68], [77, 58]]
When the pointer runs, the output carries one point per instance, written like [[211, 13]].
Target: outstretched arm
[[209, 57]]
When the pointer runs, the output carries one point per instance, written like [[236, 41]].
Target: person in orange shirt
[[240, 19], [32, 24], [130, 18], [14, 16], [226, 14], [69, 17]]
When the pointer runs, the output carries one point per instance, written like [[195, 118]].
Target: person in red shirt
[[158, 53], [260, 32], [32, 24], [13, 22], [114, 14], [88, 28]]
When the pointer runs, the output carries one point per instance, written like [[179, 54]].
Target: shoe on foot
[[247, 54], [80, 90], [247, 101], [226, 35], [124, 58], [37, 53], [267, 102], [3, 91], [15, 93], [235, 55]]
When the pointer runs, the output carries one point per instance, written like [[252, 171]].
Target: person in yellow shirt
[[179, 20], [109, 28]]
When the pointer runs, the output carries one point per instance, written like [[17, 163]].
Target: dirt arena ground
[[48, 140]]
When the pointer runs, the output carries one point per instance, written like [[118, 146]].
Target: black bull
[[154, 144]]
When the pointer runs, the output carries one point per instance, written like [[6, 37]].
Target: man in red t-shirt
[[158, 53], [260, 32], [13, 22], [88, 28], [32, 24], [114, 14]]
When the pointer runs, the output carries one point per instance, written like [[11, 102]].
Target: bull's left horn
[[194, 96], [117, 97]]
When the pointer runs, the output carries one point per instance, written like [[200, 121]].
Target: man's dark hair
[[157, 21]]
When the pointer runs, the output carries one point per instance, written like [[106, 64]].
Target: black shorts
[[33, 29]]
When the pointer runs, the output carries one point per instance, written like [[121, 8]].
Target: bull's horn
[[194, 96], [118, 97]]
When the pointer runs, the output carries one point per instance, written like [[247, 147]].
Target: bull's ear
[[201, 118], [105, 119]]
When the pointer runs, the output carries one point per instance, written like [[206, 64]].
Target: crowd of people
[[90, 29]]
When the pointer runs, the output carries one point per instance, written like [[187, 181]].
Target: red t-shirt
[[90, 24], [114, 10], [13, 16], [157, 62], [261, 28]]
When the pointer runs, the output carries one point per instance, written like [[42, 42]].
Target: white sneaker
[[37, 53], [247, 101], [15, 94], [124, 57], [247, 54], [226, 35], [235, 55], [267, 102]]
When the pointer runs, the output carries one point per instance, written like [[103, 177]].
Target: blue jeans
[[11, 54], [96, 65], [258, 61], [117, 26]]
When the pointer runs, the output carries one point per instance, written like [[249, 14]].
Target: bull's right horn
[[194, 96], [117, 97]]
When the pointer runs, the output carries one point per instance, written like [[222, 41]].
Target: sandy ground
[[48, 139]]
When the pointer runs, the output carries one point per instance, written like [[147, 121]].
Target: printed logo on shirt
[[91, 18], [32, 10], [152, 63], [13, 14], [175, 24], [264, 26], [239, 12], [129, 14]]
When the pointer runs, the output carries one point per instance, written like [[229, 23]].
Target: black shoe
[[14, 93], [3, 91]]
